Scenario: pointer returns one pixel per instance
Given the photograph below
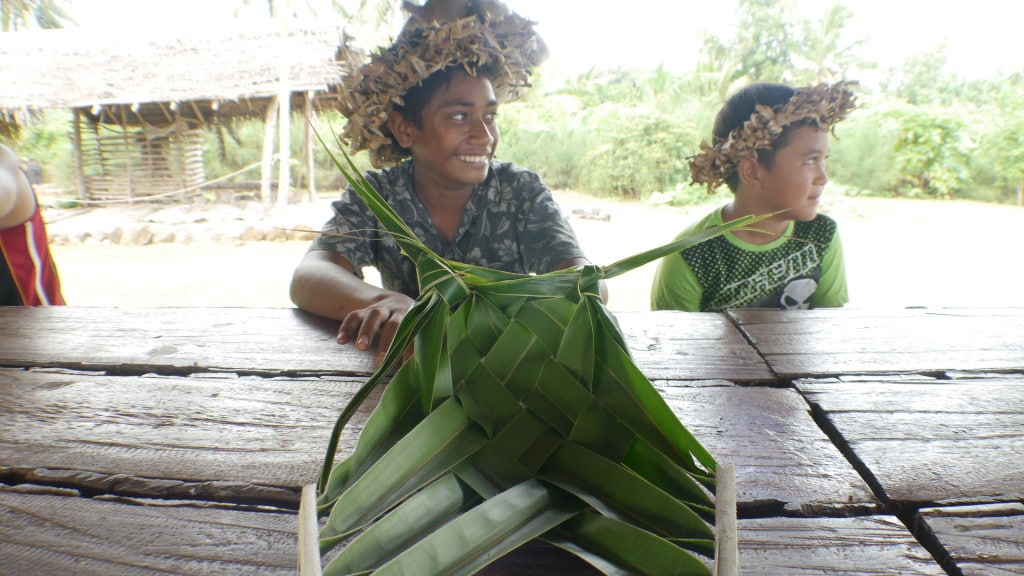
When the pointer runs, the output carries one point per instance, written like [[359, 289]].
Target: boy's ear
[[401, 129], [749, 171]]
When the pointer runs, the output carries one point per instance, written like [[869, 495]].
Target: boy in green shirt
[[770, 146]]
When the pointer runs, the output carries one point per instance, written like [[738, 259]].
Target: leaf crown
[[486, 36], [823, 105]]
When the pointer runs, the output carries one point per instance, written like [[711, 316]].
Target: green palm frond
[[520, 415]]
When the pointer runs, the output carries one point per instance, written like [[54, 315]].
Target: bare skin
[[17, 203], [451, 154], [790, 189]]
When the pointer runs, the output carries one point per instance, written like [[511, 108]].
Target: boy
[[28, 276], [465, 205], [770, 147]]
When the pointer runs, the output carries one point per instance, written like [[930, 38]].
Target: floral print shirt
[[510, 223]]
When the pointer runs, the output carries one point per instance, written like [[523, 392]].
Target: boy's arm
[[675, 286], [324, 283], [832, 290], [17, 203]]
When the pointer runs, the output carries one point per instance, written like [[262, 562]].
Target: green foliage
[[544, 135], [644, 152], [47, 141], [923, 80], [932, 153], [862, 154], [763, 48], [238, 147], [28, 14], [1002, 151]]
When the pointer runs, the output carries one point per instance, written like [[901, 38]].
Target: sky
[[980, 35]]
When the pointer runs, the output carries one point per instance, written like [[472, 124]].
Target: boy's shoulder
[[709, 219], [821, 226], [506, 171]]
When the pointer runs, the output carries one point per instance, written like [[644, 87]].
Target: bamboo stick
[[726, 545], [309, 544]]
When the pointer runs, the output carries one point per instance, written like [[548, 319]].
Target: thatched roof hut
[[140, 102]]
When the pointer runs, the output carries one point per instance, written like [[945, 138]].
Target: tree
[[25, 14], [923, 80], [821, 46], [932, 153]]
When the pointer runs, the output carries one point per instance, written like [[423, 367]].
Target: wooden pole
[[127, 158], [307, 141], [267, 167], [76, 140], [284, 102]]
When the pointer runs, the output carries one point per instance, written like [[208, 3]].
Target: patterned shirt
[[803, 269], [510, 223]]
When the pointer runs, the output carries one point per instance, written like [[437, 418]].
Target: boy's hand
[[377, 323]]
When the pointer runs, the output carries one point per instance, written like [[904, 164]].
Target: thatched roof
[[76, 69]]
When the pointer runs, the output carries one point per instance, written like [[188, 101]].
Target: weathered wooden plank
[[929, 440], [181, 340], [840, 546], [691, 346], [838, 341], [981, 540], [177, 340], [45, 534], [784, 462], [146, 435]]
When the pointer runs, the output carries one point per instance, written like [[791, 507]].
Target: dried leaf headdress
[[442, 33], [824, 105]]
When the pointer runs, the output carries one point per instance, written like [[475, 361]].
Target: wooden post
[[284, 102], [76, 139], [267, 167], [307, 141], [127, 158]]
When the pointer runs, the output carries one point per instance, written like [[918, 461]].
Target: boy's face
[[459, 134], [797, 177]]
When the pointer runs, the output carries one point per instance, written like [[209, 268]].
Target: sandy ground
[[899, 253]]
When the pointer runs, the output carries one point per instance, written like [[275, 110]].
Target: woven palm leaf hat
[[823, 105], [441, 33]]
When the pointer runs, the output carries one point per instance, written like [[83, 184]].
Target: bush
[[47, 140], [641, 152], [862, 155]]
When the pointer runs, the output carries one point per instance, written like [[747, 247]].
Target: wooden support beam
[[269, 126], [307, 141]]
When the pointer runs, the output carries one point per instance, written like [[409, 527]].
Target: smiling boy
[[771, 143], [437, 143]]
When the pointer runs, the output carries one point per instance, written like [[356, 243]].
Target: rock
[[137, 235], [275, 234], [302, 232], [163, 235], [252, 233]]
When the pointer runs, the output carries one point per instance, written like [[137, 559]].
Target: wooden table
[[142, 441]]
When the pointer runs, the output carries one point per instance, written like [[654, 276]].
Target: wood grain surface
[[43, 535], [148, 435], [784, 463], [983, 540], [836, 341], [928, 440]]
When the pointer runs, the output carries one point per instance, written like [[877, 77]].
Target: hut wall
[[141, 163]]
